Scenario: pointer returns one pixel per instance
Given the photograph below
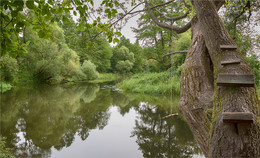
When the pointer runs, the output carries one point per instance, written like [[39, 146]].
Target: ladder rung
[[226, 47], [237, 117], [235, 80], [227, 62]]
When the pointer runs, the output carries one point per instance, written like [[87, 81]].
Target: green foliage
[[182, 43], [152, 83], [254, 62], [100, 54], [4, 151], [89, 70], [138, 53], [124, 66], [123, 59], [9, 68], [97, 50], [106, 77], [49, 60], [14, 19], [5, 87], [240, 17]]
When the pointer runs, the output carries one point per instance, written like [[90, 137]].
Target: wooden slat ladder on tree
[[234, 80], [228, 47], [237, 117], [232, 59]]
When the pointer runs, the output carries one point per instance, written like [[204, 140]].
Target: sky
[[126, 30]]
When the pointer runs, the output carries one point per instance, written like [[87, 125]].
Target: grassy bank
[[152, 83], [106, 77]]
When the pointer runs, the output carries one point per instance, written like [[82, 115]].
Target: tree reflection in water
[[158, 138], [39, 119]]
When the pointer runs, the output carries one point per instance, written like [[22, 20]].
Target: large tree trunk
[[200, 93]]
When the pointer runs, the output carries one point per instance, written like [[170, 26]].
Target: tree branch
[[164, 25], [178, 52], [173, 18], [159, 5]]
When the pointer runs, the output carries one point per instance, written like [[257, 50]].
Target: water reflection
[[38, 120]]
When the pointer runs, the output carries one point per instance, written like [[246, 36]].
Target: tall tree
[[199, 91]]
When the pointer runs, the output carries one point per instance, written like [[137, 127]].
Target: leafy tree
[[123, 59], [14, 19], [198, 83], [254, 62], [137, 50], [239, 21], [181, 43], [100, 54], [89, 70], [49, 59], [9, 68], [97, 50]]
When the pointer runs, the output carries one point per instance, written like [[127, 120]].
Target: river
[[93, 121]]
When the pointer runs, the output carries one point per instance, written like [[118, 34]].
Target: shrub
[[9, 68], [5, 152], [5, 87], [89, 70]]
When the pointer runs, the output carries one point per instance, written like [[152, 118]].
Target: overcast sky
[[126, 30]]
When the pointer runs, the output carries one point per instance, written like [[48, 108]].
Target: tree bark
[[197, 88], [200, 93]]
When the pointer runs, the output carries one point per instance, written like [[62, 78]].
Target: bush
[[5, 152], [124, 66], [5, 87], [9, 68], [89, 70]]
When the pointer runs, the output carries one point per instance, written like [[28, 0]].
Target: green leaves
[[30, 4], [115, 40], [46, 12]]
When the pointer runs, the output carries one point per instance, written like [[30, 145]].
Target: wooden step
[[228, 47], [235, 80], [237, 117], [227, 62]]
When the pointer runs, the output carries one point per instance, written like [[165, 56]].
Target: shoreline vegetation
[[151, 83]]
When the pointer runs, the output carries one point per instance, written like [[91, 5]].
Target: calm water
[[93, 121]]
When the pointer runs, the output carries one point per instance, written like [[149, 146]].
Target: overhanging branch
[[164, 25], [178, 52]]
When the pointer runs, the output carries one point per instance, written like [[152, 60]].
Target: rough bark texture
[[200, 94], [197, 88]]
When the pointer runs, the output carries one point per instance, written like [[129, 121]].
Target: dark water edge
[[93, 120]]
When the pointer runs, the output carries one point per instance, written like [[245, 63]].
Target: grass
[[152, 83], [5, 87]]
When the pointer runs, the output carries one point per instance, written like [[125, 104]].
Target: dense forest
[[178, 50]]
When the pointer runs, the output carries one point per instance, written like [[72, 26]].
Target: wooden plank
[[228, 47], [237, 117], [227, 62], [234, 80]]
